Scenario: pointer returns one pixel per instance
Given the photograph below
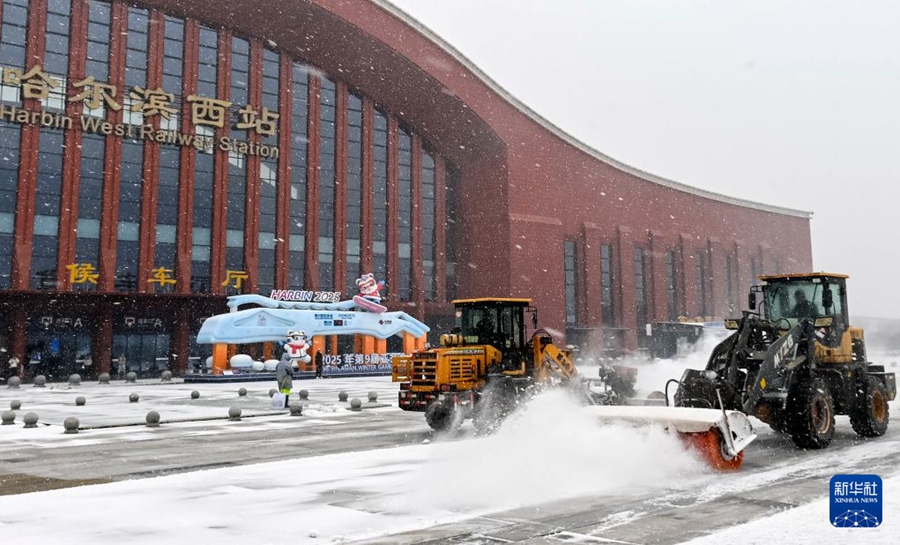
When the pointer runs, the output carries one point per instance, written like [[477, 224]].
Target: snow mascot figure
[[369, 297], [295, 347]]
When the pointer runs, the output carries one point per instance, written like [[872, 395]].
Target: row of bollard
[[72, 424], [40, 381]]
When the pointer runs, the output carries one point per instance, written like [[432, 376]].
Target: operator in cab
[[803, 308], [484, 329]]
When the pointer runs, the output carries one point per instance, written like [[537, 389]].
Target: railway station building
[[158, 156]]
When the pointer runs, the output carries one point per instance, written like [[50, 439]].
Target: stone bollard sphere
[[31, 420], [130, 376], [373, 397], [272, 392], [303, 394], [40, 381], [166, 376], [103, 378], [355, 404], [234, 413], [15, 404], [342, 396], [134, 398], [8, 418], [153, 419], [195, 395], [14, 382], [71, 425], [75, 380], [80, 401], [296, 410], [242, 392]]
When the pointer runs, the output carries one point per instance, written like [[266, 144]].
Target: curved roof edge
[[568, 138]]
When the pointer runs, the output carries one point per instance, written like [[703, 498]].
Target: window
[[729, 286], [380, 203], [9, 185], [700, 266], [268, 187], [297, 230], [428, 208], [12, 43], [135, 61], [404, 212], [235, 213], [268, 195], [202, 228], [571, 284], [326, 185], [353, 218], [97, 64], [607, 294], [167, 207], [129, 226], [56, 52], [173, 64], [46, 219], [208, 61], [452, 182], [640, 291], [672, 285], [90, 202]]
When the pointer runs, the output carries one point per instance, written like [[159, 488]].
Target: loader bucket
[[720, 437]]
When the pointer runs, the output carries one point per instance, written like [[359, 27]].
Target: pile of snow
[[550, 450]]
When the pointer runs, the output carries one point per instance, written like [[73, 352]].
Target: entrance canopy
[[272, 319]]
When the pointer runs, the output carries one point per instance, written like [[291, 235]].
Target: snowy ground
[[548, 472]]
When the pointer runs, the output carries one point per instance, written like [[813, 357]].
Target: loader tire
[[779, 423], [871, 416], [810, 414], [439, 417], [710, 446]]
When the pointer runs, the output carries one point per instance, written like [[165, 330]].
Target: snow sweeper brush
[[719, 437]]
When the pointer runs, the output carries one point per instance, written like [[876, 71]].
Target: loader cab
[[793, 297], [497, 322]]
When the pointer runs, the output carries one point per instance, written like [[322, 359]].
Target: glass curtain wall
[[380, 201], [13, 32], [203, 168], [404, 212], [169, 157], [268, 179], [297, 227], [235, 213], [327, 101], [429, 213], [353, 221]]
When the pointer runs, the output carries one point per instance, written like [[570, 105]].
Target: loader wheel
[[439, 417], [871, 416], [779, 422], [710, 445], [810, 414]]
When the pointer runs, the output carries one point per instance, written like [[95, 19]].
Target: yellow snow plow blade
[[720, 437]]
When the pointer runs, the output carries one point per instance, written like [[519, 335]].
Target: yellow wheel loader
[[488, 366], [795, 363]]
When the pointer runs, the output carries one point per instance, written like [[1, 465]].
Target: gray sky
[[789, 103]]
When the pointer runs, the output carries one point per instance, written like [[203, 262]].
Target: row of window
[[263, 179], [643, 286]]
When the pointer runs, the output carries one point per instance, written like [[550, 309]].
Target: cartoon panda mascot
[[369, 297], [295, 347]]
